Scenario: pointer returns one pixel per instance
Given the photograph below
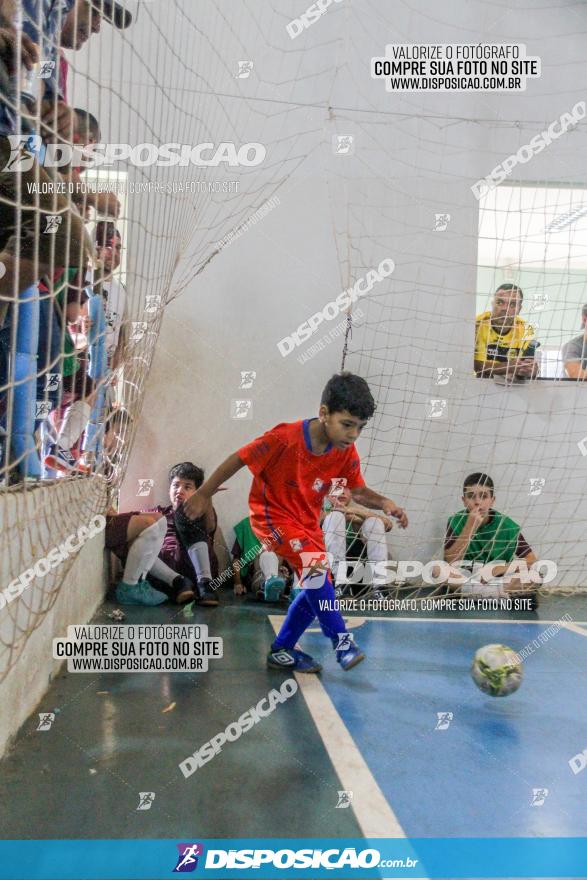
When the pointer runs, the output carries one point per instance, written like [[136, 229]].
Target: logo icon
[[284, 658], [145, 487], [436, 409], [441, 222], [23, 149], [42, 408], [153, 303], [46, 719], [343, 145], [53, 222], [247, 378], [444, 719], [318, 485], [539, 795], [187, 860], [316, 562], [46, 71], [242, 409], [296, 544], [344, 800], [52, 381], [536, 485], [244, 69], [146, 799], [538, 303], [345, 641], [139, 328], [337, 486], [443, 375]]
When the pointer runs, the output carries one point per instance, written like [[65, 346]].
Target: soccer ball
[[497, 670]]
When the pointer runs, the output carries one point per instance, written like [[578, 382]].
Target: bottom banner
[[307, 858]]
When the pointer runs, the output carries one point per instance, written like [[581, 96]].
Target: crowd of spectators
[[63, 310]]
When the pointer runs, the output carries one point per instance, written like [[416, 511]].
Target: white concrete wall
[[54, 512], [415, 155]]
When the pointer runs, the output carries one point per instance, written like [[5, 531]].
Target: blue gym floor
[[370, 731], [475, 778]]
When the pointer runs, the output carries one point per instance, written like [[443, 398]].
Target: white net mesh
[[224, 85]]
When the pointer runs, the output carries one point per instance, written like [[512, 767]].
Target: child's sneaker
[[204, 593], [290, 658], [139, 594], [349, 656], [59, 459], [183, 590], [273, 588]]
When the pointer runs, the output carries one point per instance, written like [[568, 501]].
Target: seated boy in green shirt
[[480, 534], [257, 568]]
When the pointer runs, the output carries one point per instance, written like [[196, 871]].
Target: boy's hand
[[29, 50], [56, 121], [391, 509], [196, 506], [475, 519]]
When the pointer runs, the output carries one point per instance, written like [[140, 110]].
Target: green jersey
[[498, 538]]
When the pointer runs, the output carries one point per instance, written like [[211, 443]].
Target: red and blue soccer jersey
[[290, 483]]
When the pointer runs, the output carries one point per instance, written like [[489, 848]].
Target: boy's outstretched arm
[[196, 506], [369, 498]]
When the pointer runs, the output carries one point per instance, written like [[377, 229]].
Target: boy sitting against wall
[[164, 554], [481, 534]]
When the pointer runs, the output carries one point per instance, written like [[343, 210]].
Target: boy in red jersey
[[295, 466]]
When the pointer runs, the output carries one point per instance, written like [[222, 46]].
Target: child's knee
[[373, 527], [334, 521]]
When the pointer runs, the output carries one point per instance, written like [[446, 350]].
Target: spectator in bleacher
[[86, 410], [62, 241], [109, 253], [86, 392], [84, 18], [574, 353], [342, 523], [86, 131], [174, 553], [504, 342]]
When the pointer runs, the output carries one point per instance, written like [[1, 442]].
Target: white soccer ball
[[497, 670]]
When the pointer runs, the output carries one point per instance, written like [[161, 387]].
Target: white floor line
[[575, 627], [372, 811]]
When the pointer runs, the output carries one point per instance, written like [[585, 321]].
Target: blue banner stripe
[[434, 858]]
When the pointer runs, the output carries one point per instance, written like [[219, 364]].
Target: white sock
[[269, 564], [200, 559], [334, 529], [74, 421], [161, 570], [143, 551]]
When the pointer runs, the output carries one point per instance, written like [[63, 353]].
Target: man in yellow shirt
[[504, 342]]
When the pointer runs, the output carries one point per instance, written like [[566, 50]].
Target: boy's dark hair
[[105, 232], [350, 392], [478, 479], [91, 123], [186, 470], [508, 286]]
